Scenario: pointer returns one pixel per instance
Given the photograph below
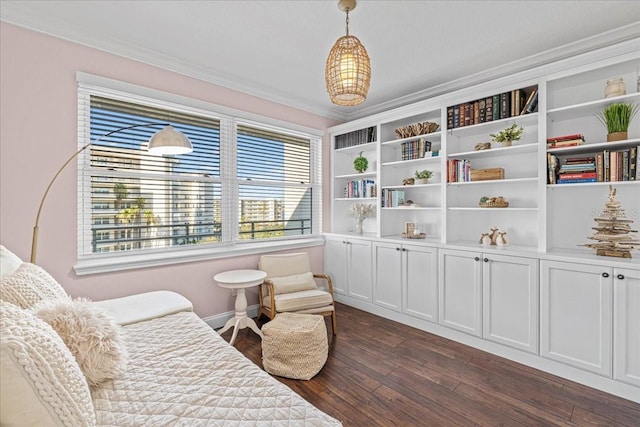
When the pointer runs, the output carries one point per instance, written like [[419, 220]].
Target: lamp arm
[[34, 239]]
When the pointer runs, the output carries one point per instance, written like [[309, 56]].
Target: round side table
[[240, 280]]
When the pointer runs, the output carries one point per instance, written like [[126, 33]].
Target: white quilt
[[182, 373]]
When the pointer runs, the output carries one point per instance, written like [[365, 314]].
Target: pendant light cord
[[347, 21]]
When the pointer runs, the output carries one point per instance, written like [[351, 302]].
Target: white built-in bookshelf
[[544, 299]]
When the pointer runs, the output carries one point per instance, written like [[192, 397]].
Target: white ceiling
[[277, 49]]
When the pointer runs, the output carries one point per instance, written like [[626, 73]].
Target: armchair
[[290, 287]]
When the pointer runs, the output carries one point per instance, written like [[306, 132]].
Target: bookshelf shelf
[[495, 181], [500, 151], [492, 126], [412, 161], [358, 148], [353, 199], [433, 135], [419, 208], [598, 146], [493, 210], [594, 184], [356, 175], [409, 187], [588, 109]]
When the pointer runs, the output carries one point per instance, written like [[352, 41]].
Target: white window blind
[[274, 171], [135, 200]]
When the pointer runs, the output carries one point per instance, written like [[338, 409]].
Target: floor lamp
[[167, 141]]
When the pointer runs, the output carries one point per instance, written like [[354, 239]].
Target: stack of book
[[392, 198], [356, 137], [565, 141], [500, 106], [415, 149], [578, 169], [363, 188], [458, 170], [619, 165]]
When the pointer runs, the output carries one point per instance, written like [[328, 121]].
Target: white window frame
[[229, 118]]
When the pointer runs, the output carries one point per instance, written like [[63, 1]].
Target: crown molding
[[16, 16]]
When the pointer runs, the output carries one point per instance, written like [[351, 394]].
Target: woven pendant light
[[348, 69]]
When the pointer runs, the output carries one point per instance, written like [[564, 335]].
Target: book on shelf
[[482, 110], [577, 175], [467, 114], [505, 105], [458, 170], [552, 168], [411, 150], [518, 98], [603, 166], [496, 107], [576, 181], [476, 111], [531, 103], [456, 116], [358, 137], [392, 198], [488, 108], [363, 188], [450, 117], [564, 144], [566, 137]]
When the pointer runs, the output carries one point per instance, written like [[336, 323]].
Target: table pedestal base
[[240, 320]]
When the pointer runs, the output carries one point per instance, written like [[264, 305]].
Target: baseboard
[[219, 320]]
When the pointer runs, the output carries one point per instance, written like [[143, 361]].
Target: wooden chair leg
[[334, 323]]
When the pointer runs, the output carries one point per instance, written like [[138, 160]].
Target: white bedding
[[182, 373]]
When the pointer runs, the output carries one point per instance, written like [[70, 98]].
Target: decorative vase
[[422, 180], [506, 143], [359, 225], [616, 136], [615, 87]]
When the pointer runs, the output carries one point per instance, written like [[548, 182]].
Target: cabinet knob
[[397, 249], [621, 276], [344, 242], [486, 260], [605, 274], [404, 249], [477, 258]]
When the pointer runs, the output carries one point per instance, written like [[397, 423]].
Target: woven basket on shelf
[[295, 345], [494, 204]]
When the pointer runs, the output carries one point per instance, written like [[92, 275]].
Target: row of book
[[501, 106], [392, 198], [458, 170], [605, 166], [419, 149], [363, 188], [565, 141], [357, 137]]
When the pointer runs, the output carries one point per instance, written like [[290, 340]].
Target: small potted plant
[[422, 177], [616, 118], [360, 163], [506, 136]]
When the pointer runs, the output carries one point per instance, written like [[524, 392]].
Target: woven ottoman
[[294, 345]]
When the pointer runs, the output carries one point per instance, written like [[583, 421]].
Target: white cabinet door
[[626, 327], [387, 291], [335, 263], [460, 291], [359, 269], [576, 315], [420, 287], [510, 301]]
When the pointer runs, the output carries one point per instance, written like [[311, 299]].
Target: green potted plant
[[506, 136], [423, 176], [360, 163], [616, 118]]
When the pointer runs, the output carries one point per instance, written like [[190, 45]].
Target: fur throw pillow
[[91, 335]]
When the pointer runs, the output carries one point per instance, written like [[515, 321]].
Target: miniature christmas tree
[[613, 230]]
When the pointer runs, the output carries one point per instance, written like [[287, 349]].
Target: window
[[245, 183]]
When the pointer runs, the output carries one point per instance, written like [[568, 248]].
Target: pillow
[[29, 285], [294, 283], [9, 262], [41, 381], [91, 335]]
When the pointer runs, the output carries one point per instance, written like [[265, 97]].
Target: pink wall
[[38, 132]]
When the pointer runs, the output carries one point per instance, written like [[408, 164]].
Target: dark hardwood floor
[[383, 373]]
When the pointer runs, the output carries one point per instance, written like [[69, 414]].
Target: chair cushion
[[92, 336], [295, 283], [302, 300], [285, 264], [42, 384], [29, 285], [9, 262]]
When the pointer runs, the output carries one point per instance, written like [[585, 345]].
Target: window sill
[[129, 261]]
